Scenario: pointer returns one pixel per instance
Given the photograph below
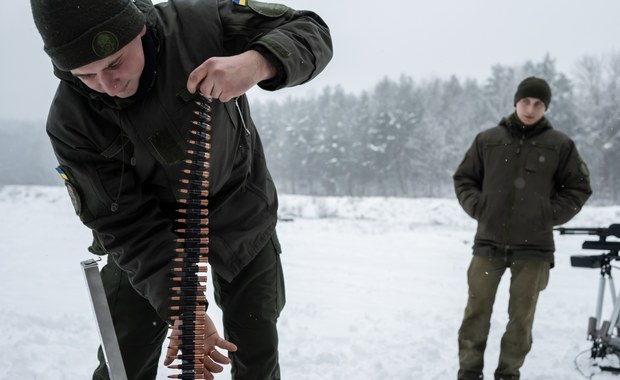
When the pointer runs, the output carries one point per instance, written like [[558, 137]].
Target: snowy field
[[375, 290]]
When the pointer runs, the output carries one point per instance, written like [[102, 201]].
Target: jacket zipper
[[508, 223]]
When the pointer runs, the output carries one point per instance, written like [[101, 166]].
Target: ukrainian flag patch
[[62, 173], [240, 2]]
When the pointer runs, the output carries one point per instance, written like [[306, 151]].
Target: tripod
[[601, 332], [604, 341]]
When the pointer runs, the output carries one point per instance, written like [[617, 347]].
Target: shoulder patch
[[71, 189], [583, 168], [240, 2], [62, 173], [267, 9], [75, 198]]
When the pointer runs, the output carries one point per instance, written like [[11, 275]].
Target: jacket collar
[[516, 127]]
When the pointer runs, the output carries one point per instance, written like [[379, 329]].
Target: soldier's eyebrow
[[111, 65], [114, 63]]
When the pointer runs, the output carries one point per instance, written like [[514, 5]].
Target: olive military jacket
[[520, 182], [122, 159]]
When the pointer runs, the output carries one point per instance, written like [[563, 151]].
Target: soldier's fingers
[[171, 352], [226, 345], [207, 87], [218, 357], [196, 77], [173, 343], [212, 366]]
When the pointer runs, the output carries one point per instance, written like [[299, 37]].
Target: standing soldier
[[119, 125], [518, 180]]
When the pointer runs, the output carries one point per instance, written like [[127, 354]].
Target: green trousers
[[251, 305], [529, 278]]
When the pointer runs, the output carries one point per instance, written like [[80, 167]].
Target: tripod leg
[[109, 342], [613, 322], [612, 287], [599, 302]]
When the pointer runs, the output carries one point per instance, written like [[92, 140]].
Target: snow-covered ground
[[375, 290]]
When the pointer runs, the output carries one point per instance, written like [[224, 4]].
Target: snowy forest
[[405, 137], [401, 138]]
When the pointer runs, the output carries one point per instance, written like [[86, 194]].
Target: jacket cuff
[[279, 80]]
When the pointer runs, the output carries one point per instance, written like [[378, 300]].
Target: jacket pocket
[[538, 156], [481, 206], [546, 215], [496, 143], [532, 161]]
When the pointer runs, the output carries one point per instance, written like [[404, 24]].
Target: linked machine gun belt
[[189, 269]]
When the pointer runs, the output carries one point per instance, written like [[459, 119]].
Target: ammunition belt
[[189, 268]]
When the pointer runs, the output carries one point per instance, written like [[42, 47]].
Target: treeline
[[405, 137]]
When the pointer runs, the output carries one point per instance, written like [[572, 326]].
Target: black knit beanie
[[78, 32], [533, 87]]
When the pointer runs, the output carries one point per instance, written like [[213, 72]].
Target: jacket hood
[[516, 127]]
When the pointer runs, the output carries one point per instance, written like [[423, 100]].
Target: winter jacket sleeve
[[127, 221], [297, 43], [468, 179], [572, 181]]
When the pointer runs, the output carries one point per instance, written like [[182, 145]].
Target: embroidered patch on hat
[[104, 44]]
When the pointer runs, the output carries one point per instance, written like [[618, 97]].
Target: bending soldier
[[118, 125]]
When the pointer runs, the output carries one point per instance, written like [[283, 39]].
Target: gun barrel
[[580, 231], [602, 232]]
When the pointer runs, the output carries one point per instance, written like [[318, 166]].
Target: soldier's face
[[530, 110], [117, 75]]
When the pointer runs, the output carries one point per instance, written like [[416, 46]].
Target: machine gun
[[590, 261], [606, 335]]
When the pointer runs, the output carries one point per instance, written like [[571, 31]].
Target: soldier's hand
[[213, 359], [225, 78]]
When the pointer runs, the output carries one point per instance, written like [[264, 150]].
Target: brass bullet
[[202, 173], [204, 183], [194, 259], [188, 298], [202, 193], [199, 240], [201, 144], [202, 124], [206, 155], [198, 202], [187, 376], [193, 288], [202, 134], [189, 319], [196, 367], [201, 221], [199, 163], [203, 231], [202, 251]]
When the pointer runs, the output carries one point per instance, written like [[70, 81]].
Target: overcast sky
[[372, 39]]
